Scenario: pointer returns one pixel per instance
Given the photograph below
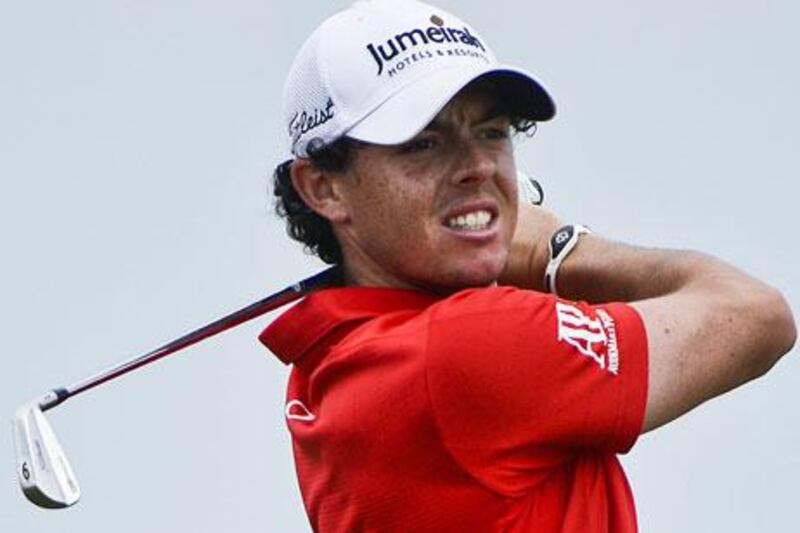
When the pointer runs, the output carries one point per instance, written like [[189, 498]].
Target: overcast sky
[[136, 141]]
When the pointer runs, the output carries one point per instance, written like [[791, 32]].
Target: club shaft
[[270, 303]]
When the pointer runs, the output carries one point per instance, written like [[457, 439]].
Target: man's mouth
[[477, 220]]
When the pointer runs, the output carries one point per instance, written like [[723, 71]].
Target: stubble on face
[[436, 213]]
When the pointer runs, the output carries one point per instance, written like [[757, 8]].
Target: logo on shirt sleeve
[[595, 338]]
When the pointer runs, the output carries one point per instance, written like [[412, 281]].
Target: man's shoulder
[[494, 299]]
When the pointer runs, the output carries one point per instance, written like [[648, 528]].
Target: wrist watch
[[561, 244]]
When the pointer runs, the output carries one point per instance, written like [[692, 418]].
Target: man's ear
[[319, 189]]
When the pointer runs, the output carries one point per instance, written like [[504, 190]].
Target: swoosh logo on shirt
[[295, 410]]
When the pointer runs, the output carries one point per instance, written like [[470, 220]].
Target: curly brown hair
[[302, 223]]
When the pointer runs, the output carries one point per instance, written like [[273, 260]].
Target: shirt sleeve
[[520, 381]]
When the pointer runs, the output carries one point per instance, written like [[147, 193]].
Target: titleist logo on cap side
[[384, 53], [304, 121]]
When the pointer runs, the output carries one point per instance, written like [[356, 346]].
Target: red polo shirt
[[494, 409]]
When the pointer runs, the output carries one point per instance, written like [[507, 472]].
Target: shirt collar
[[307, 323]]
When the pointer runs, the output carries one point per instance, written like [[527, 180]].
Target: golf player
[[482, 362]]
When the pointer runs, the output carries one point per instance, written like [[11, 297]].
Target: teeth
[[476, 220]]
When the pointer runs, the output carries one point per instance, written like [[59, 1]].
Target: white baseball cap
[[381, 70]]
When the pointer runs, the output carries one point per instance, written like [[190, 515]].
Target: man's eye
[[495, 133], [419, 145]]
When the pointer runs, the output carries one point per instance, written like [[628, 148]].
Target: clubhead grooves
[[45, 475]]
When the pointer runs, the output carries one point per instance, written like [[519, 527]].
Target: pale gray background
[[136, 138]]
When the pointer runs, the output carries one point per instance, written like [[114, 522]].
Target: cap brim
[[407, 112]]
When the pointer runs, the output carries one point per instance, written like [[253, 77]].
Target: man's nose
[[476, 165]]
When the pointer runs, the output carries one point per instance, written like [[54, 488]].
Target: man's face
[[437, 212]]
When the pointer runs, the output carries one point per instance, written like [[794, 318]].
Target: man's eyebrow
[[491, 113]]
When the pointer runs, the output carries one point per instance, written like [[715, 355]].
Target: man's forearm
[[600, 270]]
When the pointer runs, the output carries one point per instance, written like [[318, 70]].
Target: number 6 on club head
[[44, 473]]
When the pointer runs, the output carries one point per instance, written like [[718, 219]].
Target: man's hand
[[529, 254]]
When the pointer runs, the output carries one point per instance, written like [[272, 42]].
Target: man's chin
[[474, 275]]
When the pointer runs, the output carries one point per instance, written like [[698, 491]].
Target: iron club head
[[45, 475]]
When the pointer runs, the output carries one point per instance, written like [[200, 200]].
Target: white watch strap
[[561, 244]]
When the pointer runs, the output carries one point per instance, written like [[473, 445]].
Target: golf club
[[45, 475]]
